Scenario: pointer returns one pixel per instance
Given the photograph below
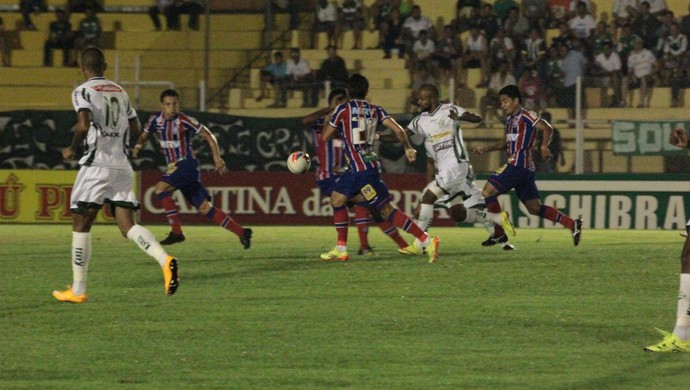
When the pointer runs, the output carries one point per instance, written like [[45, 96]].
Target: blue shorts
[[523, 180], [367, 183], [326, 185], [185, 176]]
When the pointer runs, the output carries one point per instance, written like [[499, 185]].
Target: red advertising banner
[[270, 198]]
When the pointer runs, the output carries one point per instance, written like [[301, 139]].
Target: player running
[[521, 127], [174, 130], [355, 122], [330, 163], [453, 182]]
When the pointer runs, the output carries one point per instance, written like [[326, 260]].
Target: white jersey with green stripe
[[444, 136], [106, 144]]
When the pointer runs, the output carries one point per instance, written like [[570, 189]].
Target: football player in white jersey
[[440, 126], [105, 119]]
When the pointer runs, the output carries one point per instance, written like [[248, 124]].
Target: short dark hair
[[169, 92], [512, 91], [336, 92], [358, 86], [431, 88], [93, 59], [278, 54]]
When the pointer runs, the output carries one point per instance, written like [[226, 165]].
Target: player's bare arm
[[465, 117], [679, 138], [315, 116], [206, 134], [410, 152], [328, 131], [490, 148], [80, 131], [141, 141], [547, 130]]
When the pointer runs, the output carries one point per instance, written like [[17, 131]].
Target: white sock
[[426, 215], [422, 244], [81, 253], [341, 248], [489, 226], [682, 328], [147, 242]]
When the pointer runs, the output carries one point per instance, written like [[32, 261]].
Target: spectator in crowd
[[27, 7], [379, 12], [559, 12], [405, 7], [463, 21], [674, 63], [582, 23], [499, 79], [501, 8], [645, 26], [302, 78], [333, 69], [501, 49], [554, 72], [351, 19], [5, 46], [599, 36], [325, 17], [564, 37], [162, 7], [608, 65], [516, 26], [532, 52], [532, 90], [574, 66], [657, 7], [625, 45], [536, 13], [73, 6], [392, 35], [191, 7], [548, 165], [623, 11], [487, 22], [447, 54], [641, 68], [467, 7], [415, 23], [89, 32], [420, 55], [662, 32], [590, 5], [60, 36], [476, 54], [274, 74]]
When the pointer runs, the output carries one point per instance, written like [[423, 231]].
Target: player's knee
[[386, 211], [204, 208], [429, 197], [376, 215], [458, 212]]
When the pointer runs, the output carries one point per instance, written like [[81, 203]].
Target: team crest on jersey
[[369, 192]]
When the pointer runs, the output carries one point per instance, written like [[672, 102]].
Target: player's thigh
[[503, 180]]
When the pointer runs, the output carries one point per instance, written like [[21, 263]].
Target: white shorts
[[454, 180], [469, 195], [95, 185]]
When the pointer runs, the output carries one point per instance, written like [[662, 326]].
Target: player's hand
[[135, 151], [546, 153], [411, 154], [678, 137], [481, 149], [220, 166], [68, 153], [454, 114]]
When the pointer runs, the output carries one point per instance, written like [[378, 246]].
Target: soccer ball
[[298, 162]]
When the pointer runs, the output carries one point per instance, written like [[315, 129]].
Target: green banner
[[633, 138]]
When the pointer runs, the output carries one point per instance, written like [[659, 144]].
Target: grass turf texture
[[545, 316]]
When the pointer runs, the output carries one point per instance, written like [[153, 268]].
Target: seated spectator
[[554, 72], [274, 74], [467, 7], [463, 20], [559, 12], [564, 37], [501, 8], [548, 165], [325, 16], [589, 5], [301, 78], [499, 79], [488, 22], [623, 11], [60, 37], [476, 54], [191, 7], [447, 54], [333, 69], [645, 26], [351, 19], [574, 65], [536, 13], [582, 23], [685, 24], [641, 68], [674, 63], [532, 91], [501, 49], [532, 52], [158, 9], [516, 26], [415, 23], [599, 37], [73, 6], [380, 12], [90, 31], [608, 70], [27, 7], [5, 46], [420, 56], [391, 35]]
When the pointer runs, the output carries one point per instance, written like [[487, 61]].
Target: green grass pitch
[[548, 315]]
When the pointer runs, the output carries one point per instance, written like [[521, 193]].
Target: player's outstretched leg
[[422, 240], [341, 220], [173, 217], [577, 231], [147, 243], [226, 222], [670, 343], [362, 223]]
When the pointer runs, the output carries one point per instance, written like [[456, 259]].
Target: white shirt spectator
[[475, 44], [641, 62], [497, 81], [656, 6], [620, 8], [415, 26], [611, 63], [297, 70], [573, 5], [328, 14], [582, 26], [675, 46], [423, 50]]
